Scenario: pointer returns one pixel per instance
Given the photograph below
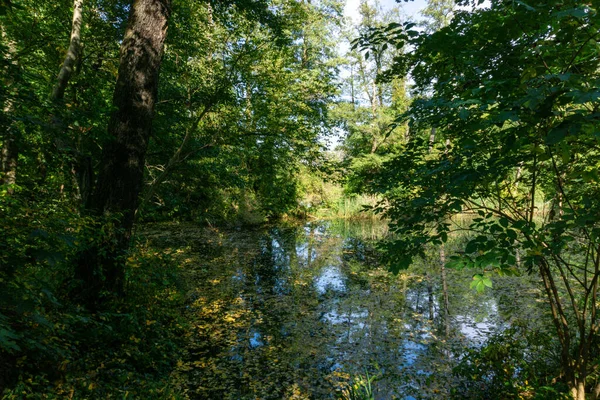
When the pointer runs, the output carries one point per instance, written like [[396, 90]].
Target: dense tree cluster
[[480, 121], [115, 111]]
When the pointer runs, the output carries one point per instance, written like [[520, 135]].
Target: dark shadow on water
[[300, 311]]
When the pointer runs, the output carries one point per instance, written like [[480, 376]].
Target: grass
[[328, 200]]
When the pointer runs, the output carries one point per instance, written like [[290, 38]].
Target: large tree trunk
[[115, 198]]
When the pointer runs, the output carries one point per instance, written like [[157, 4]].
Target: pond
[[307, 311]]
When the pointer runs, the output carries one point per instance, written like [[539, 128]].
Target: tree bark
[[445, 291], [578, 391], [10, 150], [596, 392], [101, 268], [352, 86], [83, 172], [10, 154], [432, 139], [73, 53]]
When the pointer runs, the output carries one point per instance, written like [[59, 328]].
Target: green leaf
[[7, 340], [488, 259], [479, 283], [565, 152], [401, 264], [508, 116], [557, 134], [444, 237], [487, 282], [472, 247], [511, 260], [455, 262]]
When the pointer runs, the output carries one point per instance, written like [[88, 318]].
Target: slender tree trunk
[[352, 86], [101, 268], [596, 392], [442, 250], [374, 144], [432, 139], [518, 174], [430, 296], [445, 291], [571, 367], [378, 70], [9, 155], [73, 53], [83, 172], [578, 391], [444, 277]]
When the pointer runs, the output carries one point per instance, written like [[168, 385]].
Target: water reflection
[[330, 278], [297, 311]]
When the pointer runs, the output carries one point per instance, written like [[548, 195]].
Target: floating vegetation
[[309, 311]]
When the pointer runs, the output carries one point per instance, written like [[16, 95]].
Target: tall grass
[[349, 207], [323, 199], [360, 388]]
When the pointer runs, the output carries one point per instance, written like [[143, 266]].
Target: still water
[[298, 312]]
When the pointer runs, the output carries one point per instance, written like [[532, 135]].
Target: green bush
[[51, 347], [514, 364]]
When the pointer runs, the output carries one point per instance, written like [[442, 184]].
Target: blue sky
[[410, 9]]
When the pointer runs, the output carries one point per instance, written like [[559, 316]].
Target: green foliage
[[480, 282], [439, 14], [360, 388], [505, 119], [248, 113], [35, 250], [369, 105], [50, 345], [503, 129], [323, 198], [243, 101], [507, 367]]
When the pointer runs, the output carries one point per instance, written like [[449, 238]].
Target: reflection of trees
[[281, 347], [264, 326]]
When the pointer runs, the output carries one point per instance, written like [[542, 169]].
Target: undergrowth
[[51, 347]]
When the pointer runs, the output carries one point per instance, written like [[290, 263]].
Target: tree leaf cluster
[[503, 144]]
